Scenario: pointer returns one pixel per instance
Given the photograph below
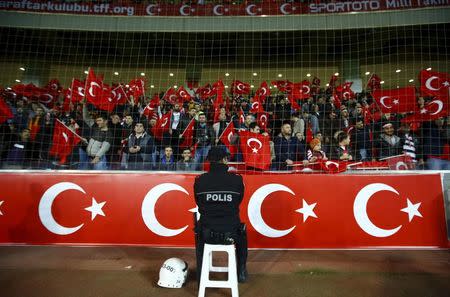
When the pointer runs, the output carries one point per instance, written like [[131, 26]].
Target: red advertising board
[[262, 8], [281, 211]]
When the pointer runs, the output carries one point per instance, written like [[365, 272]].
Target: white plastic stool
[[207, 266]]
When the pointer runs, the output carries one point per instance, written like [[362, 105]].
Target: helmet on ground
[[173, 273]]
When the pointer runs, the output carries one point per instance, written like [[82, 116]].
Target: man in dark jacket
[[218, 195], [288, 149], [203, 139]]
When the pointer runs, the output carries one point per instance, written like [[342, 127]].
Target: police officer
[[218, 194]]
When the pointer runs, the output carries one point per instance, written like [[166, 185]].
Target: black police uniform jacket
[[218, 194]]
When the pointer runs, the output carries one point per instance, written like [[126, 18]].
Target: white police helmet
[[173, 273]]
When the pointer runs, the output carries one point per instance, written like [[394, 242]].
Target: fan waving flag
[[5, 111], [137, 87], [171, 96], [255, 149], [226, 136], [149, 110], [434, 83], [374, 82], [263, 120], [333, 166], [183, 94], [282, 85], [205, 92], [433, 110], [64, 140], [396, 100], [94, 89]]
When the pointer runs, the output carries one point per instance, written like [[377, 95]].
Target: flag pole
[[231, 120]]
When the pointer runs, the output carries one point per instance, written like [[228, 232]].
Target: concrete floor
[[61, 271]]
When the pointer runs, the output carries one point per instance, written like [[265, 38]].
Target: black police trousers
[[237, 237]]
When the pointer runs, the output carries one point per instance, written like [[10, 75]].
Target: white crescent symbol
[[283, 8], [81, 91], [360, 210], [45, 208], [171, 96], [401, 166], [328, 163], [148, 209], [216, 10], [255, 105], [440, 106], [66, 138], [230, 135], [263, 91], [263, 118], [50, 98], [182, 10], [249, 9], [254, 210], [91, 87], [428, 83], [165, 122], [150, 9], [308, 89], [346, 95], [382, 101], [254, 140], [240, 87]]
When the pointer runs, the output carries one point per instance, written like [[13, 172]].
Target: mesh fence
[[321, 101]]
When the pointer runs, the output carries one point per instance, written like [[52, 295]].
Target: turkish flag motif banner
[[162, 125], [396, 100], [432, 110], [77, 90], [354, 211]]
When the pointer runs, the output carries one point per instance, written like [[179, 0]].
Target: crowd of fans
[[124, 139]]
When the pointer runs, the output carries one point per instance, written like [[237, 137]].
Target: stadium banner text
[[250, 9], [281, 211]]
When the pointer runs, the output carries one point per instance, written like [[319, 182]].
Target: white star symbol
[[307, 210], [446, 84], [254, 150], [195, 210], [395, 101], [423, 110], [1, 213], [412, 210], [96, 208]]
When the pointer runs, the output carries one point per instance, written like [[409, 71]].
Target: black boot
[[242, 274]]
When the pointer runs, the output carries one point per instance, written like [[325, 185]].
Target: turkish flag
[[77, 90], [119, 96], [137, 87], [256, 107], [262, 92], [282, 85], [171, 96], [29, 90], [64, 140], [300, 90], [434, 83], [205, 92], [255, 149], [400, 162], [54, 86], [241, 117], [218, 89], [293, 101], [396, 100], [374, 82], [345, 92], [162, 125], [5, 111], [263, 120], [183, 94], [434, 109], [47, 98], [107, 99], [239, 87], [94, 92], [149, 110], [226, 136], [188, 134]]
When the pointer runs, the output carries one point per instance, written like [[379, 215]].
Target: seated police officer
[[218, 194]]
